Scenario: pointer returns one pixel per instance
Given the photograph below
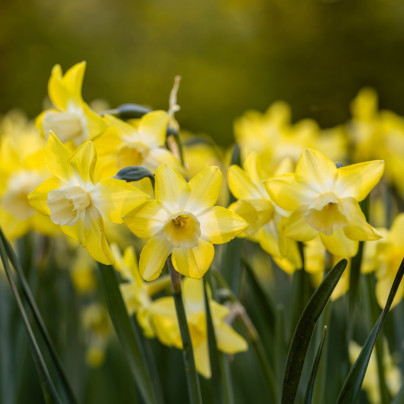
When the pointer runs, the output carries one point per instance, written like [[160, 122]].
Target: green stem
[[194, 389]]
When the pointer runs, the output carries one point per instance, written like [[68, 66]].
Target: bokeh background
[[233, 55]]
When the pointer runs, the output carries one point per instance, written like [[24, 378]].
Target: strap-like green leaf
[[129, 338], [304, 331], [310, 386], [353, 382]]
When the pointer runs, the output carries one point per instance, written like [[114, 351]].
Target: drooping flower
[[324, 200], [71, 120], [77, 199], [264, 217], [183, 220], [164, 320]]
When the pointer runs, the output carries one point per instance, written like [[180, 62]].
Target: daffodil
[[164, 320], [324, 200], [77, 200], [265, 219], [136, 143], [71, 120], [136, 293], [183, 220]]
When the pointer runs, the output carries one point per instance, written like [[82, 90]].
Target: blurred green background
[[232, 54]]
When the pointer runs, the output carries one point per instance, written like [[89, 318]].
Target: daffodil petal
[[241, 185], [83, 160], [339, 244], [57, 156], [358, 228], [195, 261], [288, 193], [297, 228], [153, 126], [219, 225], [192, 292], [95, 123], [158, 156], [205, 189], [383, 287], [147, 220], [357, 180], [171, 188], [115, 198], [316, 168], [228, 340], [202, 362], [39, 196], [397, 230], [252, 167], [153, 257]]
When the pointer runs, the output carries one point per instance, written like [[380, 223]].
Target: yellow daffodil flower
[[135, 292], [22, 169], [136, 143], [324, 200], [164, 320], [72, 120], [265, 219], [371, 382], [183, 220], [77, 200]]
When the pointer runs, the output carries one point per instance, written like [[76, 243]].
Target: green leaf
[[304, 331], [351, 388], [129, 338], [309, 392], [48, 388], [40, 324]]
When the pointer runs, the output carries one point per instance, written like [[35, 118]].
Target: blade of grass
[[304, 331], [48, 388], [194, 389], [63, 382], [310, 386], [129, 337], [351, 388]]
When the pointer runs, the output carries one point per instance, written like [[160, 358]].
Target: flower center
[[183, 230], [131, 155], [325, 214], [66, 204]]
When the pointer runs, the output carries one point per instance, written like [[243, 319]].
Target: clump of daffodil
[[136, 293], [324, 200], [265, 218], [22, 169], [371, 382], [71, 120], [183, 220], [77, 200], [164, 321], [138, 142]]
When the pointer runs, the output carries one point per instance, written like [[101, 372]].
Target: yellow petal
[[147, 220], [339, 244], [83, 160], [228, 340], [383, 287], [64, 89], [397, 230], [297, 228], [219, 225], [115, 198], [158, 156], [202, 362], [316, 168], [192, 291], [57, 156], [153, 257], [241, 185], [358, 228], [205, 189], [96, 124], [195, 261], [92, 236], [252, 167], [357, 180], [153, 126], [39, 196], [171, 188], [288, 193]]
